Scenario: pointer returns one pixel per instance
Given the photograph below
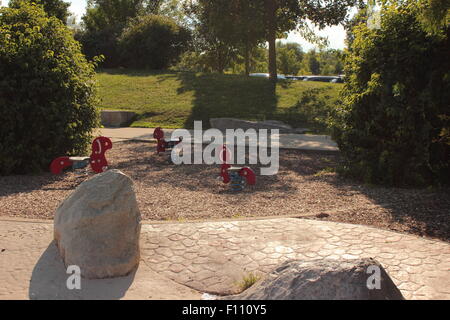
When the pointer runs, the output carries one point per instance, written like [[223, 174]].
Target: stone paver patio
[[183, 260], [31, 268]]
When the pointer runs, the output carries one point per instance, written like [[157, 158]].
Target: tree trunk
[[220, 59], [247, 58], [271, 38]]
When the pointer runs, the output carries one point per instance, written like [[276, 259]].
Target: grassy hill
[[176, 99]]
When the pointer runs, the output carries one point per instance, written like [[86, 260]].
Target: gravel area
[[305, 187]]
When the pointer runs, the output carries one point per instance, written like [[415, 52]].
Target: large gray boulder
[[97, 227], [323, 280]]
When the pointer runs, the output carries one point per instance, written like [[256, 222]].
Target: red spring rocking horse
[[163, 145], [235, 175], [97, 159]]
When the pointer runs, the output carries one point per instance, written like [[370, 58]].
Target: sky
[[335, 34]]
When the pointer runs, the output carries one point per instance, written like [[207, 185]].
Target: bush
[[100, 43], [393, 127], [313, 109], [46, 91], [152, 42]]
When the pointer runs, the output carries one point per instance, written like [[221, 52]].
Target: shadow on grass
[[135, 72], [237, 96], [228, 96], [180, 98]]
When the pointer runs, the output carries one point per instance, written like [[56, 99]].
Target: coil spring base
[[167, 155], [236, 181]]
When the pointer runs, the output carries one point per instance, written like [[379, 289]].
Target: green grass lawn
[[176, 99]]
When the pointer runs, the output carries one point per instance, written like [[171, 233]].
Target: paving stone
[[213, 256], [176, 267]]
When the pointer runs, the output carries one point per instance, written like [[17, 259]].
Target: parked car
[[259, 75], [337, 80], [266, 75], [333, 79], [295, 77]]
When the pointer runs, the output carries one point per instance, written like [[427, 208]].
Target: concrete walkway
[[183, 260], [287, 141], [31, 268]]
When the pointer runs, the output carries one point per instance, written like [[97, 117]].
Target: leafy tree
[[267, 19], [101, 14], [330, 62], [47, 91], [257, 61], [358, 18], [226, 29], [212, 51], [285, 15], [313, 62], [433, 14], [104, 22], [192, 61], [173, 9], [289, 57], [248, 31], [323, 62], [152, 42], [54, 8], [214, 55], [393, 127]]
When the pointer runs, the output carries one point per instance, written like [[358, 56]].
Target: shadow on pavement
[[48, 281]]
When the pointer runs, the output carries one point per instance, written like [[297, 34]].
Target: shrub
[[46, 91], [313, 109], [101, 42], [393, 126], [152, 42]]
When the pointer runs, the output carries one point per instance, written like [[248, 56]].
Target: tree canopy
[[53, 8], [242, 25], [104, 22]]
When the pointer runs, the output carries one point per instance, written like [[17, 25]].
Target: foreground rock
[[97, 227], [231, 123], [322, 279]]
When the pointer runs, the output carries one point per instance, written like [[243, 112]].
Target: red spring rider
[[97, 159], [163, 145], [237, 176]]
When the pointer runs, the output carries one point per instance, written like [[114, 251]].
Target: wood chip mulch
[[305, 187]]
